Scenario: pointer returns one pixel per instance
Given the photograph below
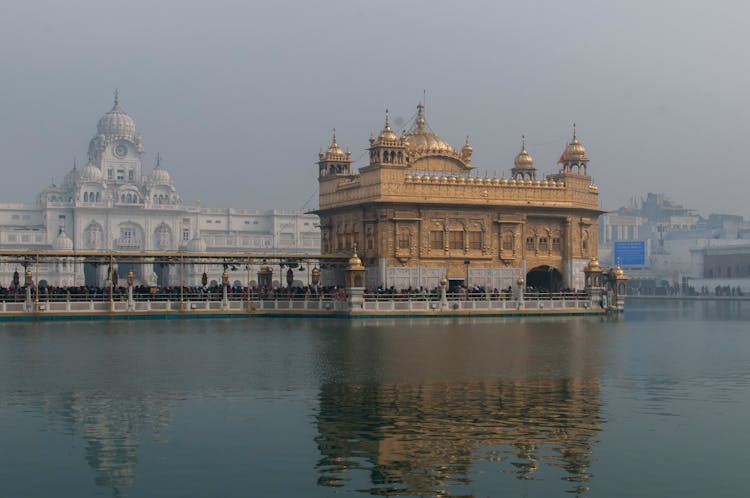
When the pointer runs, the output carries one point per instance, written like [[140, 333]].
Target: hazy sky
[[238, 96]]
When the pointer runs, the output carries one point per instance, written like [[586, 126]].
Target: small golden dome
[[593, 265], [354, 262], [618, 273], [503, 181], [334, 152], [387, 135], [265, 269], [443, 281], [575, 150], [523, 160]]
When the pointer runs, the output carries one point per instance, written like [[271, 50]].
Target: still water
[[654, 403]]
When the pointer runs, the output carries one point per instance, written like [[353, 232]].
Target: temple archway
[[544, 278]]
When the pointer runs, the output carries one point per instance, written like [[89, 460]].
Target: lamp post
[[131, 278], [467, 262], [225, 287]]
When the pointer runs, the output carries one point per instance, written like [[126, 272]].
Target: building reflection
[[527, 411], [113, 429]]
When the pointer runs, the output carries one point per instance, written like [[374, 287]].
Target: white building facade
[[112, 205]]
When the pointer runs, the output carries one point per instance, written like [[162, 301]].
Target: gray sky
[[238, 96]]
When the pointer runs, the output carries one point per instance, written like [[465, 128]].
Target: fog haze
[[239, 96]]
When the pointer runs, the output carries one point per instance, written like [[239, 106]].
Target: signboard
[[630, 253]]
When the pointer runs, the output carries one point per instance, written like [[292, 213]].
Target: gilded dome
[[117, 122], [618, 273], [422, 139], [594, 265], [91, 173], [334, 152], [575, 150], [523, 159], [354, 262], [387, 135]]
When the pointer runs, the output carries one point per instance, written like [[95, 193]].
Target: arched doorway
[[544, 278]]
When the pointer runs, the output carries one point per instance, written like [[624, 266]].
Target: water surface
[[653, 403]]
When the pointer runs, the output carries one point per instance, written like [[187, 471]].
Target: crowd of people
[[216, 292]]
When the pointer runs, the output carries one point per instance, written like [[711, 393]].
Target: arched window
[[85, 197]]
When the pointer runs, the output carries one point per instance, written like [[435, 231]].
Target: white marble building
[[111, 204]]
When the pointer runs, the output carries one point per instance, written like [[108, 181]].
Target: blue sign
[[630, 253]]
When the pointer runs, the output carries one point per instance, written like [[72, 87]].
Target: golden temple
[[416, 214]]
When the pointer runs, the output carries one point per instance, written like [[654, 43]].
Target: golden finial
[[333, 144], [387, 120], [420, 115], [523, 142]]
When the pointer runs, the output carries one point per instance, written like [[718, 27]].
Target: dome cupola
[[117, 123], [62, 242], [160, 176], [91, 173], [523, 165], [422, 140]]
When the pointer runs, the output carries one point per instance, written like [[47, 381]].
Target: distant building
[[110, 204], [417, 213], [683, 249]]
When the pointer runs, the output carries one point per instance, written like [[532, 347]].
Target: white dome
[[91, 173], [62, 242], [160, 176], [71, 177], [117, 123], [196, 244]]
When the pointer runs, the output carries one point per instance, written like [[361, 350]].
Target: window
[[507, 240], [185, 234], [556, 243], [130, 175], [475, 240], [109, 174], [404, 240], [543, 244], [436, 239], [530, 243], [456, 239], [120, 174]]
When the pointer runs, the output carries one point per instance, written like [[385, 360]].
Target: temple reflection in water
[[113, 428], [423, 436]]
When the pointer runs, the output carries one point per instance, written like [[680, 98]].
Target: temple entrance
[[544, 279]]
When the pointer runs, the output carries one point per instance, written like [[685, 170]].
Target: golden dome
[[593, 265], [575, 150], [443, 281], [421, 139], [523, 159], [467, 150], [334, 152], [354, 262], [387, 135], [618, 273]]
